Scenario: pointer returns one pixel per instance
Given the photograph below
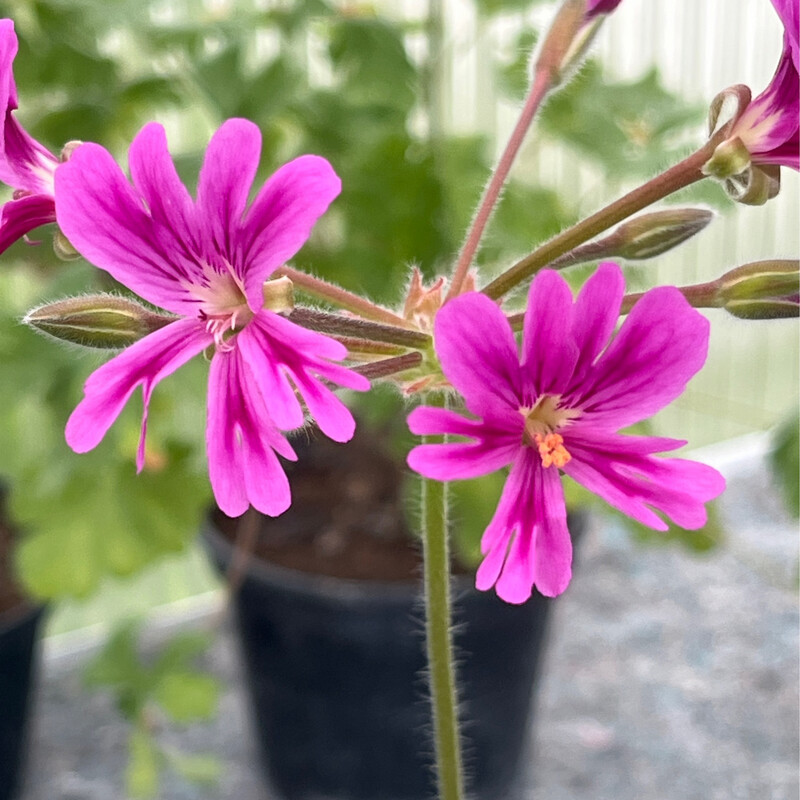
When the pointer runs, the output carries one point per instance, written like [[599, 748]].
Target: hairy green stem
[[341, 297], [439, 626], [336, 324], [677, 177]]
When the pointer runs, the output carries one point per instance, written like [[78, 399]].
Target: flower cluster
[[555, 406]]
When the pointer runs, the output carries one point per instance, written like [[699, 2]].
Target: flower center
[[224, 309], [223, 325], [551, 449], [541, 423]]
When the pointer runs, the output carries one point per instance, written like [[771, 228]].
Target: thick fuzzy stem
[[439, 627]]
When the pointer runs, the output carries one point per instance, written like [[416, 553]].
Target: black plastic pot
[[336, 674], [18, 658]]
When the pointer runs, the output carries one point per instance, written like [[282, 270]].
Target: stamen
[[551, 449]]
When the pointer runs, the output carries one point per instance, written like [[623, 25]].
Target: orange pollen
[[551, 449]]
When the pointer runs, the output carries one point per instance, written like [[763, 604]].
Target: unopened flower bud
[[652, 234], [279, 295], [101, 321], [563, 46], [762, 290]]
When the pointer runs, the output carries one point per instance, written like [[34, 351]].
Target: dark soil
[[347, 515], [10, 593]]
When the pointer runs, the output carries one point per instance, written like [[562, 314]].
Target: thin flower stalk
[[389, 366], [539, 89], [342, 298], [336, 324]]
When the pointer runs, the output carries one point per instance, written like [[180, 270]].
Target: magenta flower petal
[[226, 177], [661, 345], [548, 348], [25, 165], [20, 217], [283, 357], [480, 360], [282, 216], [596, 314], [169, 203], [142, 364], [769, 127], [107, 222], [242, 464], [635, 482], [527, 541], [789, 12], [585, 388], [491, 449]]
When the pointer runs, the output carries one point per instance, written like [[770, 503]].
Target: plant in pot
[[543, 390]]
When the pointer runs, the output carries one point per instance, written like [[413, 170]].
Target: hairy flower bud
[[652, 234], [564, 45], [762, 290], [103, 321]]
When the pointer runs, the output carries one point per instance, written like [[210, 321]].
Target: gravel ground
[[669, 677]]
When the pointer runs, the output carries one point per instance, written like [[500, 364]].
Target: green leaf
[[785, 462], [629, 128], [187, 696], [370, 57], [142, 772], [202, 769], [180, 650]]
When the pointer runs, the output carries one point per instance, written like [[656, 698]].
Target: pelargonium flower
[[762, 135], [25, 165], [559, 406], [206, 260], [769, 125]]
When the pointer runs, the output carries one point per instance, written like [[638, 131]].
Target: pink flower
[[769, 125], [25, 165], [559, 406], [206, 260]]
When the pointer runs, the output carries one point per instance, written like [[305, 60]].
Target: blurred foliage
[[337, 79], [785, 462], [148, 694]]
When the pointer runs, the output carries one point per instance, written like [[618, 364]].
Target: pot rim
[[306, 583], [20, 614]]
